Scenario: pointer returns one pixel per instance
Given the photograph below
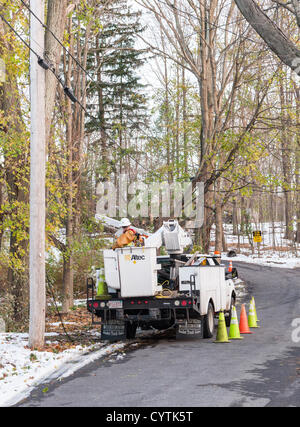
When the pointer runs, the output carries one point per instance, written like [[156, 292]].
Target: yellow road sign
[[257, 236]]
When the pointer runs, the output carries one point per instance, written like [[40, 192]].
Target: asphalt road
[[263, 369]]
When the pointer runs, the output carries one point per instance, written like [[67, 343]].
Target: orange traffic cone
[[244, 327], [230, 267], [217, 254]]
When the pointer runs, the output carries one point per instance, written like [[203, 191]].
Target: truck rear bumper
[[146, 309], [141, 303]]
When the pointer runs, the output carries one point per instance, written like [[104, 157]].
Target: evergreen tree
[[116, 98]]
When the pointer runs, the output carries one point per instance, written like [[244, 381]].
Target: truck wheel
[[209, 322], [130, 330], [228, 317]]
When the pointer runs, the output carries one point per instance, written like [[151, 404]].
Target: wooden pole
[[37, 182]]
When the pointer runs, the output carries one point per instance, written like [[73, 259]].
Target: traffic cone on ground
[[255, 310], [230, 267], [217, 254], [234, 330], [222, 331], [102, 291], [244, 327], [251, 317]]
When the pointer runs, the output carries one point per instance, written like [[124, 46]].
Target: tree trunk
[[219, 225], [286, 164], [234, 218], [56, 19], [184, 120], [68, 255], [297, 166], [104, 154]]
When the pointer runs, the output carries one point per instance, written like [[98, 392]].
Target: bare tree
[[216, 56]]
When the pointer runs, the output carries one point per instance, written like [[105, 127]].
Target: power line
[[56, 38], [68, 91], [20, 37]]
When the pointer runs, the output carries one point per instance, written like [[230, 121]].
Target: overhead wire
[[55, 37], [70, 94], [45, 63], [19, 36], [68, 91]]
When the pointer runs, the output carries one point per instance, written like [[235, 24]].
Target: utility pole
[[37, 181]]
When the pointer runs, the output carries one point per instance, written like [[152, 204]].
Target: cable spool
[[166, 293]]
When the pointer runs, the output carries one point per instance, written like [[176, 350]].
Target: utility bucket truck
[[179, 290]]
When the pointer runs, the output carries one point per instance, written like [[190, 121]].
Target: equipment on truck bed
[[179, 290]]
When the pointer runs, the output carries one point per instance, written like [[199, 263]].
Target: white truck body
[[180, 291], [133, 272], [211, 284]]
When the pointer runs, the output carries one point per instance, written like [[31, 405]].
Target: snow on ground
[[271, 259], [22, 369], [274, 251]]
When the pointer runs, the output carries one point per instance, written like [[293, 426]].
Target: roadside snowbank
[[275, 250], [22, 369], [270, 259]]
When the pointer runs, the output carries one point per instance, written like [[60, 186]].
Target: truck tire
[[130, 330], [209, 322], [228, 317]]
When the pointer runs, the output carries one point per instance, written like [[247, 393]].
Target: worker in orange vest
[[129, 237]]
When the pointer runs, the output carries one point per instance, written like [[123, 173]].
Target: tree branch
[[271, 34]]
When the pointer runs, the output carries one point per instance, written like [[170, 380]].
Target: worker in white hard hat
[[129, 237]]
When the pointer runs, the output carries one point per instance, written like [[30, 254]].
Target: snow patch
[[22, 369]]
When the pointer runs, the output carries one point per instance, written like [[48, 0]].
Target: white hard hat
[[125, 222]]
